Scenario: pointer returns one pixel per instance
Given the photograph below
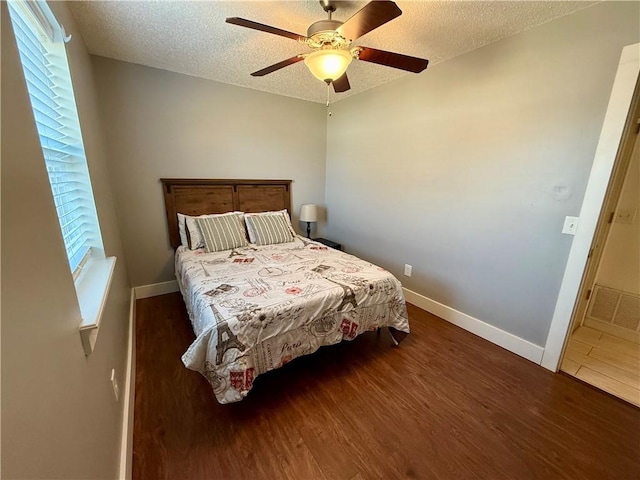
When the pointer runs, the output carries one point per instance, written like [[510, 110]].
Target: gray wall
[[467, 171], [59, 416], [163, 124]]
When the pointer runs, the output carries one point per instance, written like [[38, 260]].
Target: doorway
[[603, 348]]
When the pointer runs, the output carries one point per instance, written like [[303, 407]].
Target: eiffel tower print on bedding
[[264, 306]]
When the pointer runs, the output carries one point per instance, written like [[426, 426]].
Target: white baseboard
[[126, 442], [155, 289], [506, 340]]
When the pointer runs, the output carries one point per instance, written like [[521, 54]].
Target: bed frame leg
[[397, 336]]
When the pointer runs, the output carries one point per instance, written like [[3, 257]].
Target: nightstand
[[328, 243]]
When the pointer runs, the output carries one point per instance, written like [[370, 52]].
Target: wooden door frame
[[617, 127], [605, 222]]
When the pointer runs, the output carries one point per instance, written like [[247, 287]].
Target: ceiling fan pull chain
[[328, 92]]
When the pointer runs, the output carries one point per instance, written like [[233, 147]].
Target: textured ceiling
[[193, 38]]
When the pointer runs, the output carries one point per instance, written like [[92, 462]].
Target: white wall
[[620, 264], [59, 416], [163, 124], [467, 171]]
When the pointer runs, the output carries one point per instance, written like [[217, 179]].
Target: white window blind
[[40, 41]]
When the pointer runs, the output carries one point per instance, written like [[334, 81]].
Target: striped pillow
[[222, 232], [269, 228]]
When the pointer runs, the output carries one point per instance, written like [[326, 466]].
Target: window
[[40, 41], [41, 45]]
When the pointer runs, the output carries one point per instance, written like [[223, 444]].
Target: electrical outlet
[[570, 225], [114, 384], [407, 270]]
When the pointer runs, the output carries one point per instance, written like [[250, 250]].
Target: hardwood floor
[[446, 404], [605, 361]]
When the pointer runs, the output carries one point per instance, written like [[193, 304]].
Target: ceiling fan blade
[[341, 84], [370, 17], [277, 66], [395, 60], [265, 28]]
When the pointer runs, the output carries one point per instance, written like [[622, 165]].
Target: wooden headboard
[[193, 196]]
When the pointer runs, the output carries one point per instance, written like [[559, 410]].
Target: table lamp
[[309, 214]]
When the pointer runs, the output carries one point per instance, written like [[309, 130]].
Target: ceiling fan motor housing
[[323, 26]]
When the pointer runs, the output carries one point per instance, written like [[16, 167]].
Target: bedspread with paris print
[[255, 308]]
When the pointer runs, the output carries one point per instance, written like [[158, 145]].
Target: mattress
[[253, 309]]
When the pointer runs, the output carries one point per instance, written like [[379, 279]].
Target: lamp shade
[[328, 65], [308, 213]]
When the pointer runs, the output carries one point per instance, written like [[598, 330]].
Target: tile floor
[[605, 361]]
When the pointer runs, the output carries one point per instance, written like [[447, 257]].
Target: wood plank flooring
[[605, 361], [445, 405]]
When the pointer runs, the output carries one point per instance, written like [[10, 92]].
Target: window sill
[[92, 289]]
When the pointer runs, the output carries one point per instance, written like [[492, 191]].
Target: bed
[[254, 308]]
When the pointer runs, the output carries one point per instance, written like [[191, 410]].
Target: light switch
[[570, 225]]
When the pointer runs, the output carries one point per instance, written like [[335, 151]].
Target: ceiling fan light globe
[[328, 65]]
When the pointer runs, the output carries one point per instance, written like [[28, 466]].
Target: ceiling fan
[[331, 41]]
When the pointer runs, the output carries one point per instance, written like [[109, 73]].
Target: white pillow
[[288, 219], [182, 229], [193, 233]]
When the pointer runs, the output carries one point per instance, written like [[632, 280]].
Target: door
[[610, 212]]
